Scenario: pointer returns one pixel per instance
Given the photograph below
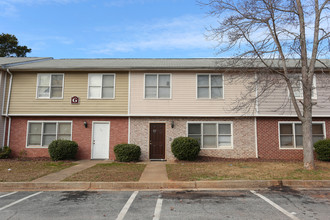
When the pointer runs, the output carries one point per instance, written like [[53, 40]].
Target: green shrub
[[127, 152], [62, 150], [322, 149], [185, 148], [5, 152]]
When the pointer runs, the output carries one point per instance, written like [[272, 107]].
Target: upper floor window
[[291, 135], [210, 86], [157, 86], [211, 134], [297, 86], [50, 85], [42, 133], [101, 86]]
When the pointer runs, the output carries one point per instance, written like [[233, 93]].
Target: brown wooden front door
[[157, 141]]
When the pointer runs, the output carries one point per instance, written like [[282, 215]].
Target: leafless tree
[[277, 30]]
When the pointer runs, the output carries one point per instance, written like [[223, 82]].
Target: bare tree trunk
[[308, 138]]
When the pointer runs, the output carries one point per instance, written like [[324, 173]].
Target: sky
[[109, 28]]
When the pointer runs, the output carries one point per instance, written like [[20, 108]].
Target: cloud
[[181, 33]]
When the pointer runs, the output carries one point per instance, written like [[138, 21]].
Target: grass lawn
[[19, 171], [109, 172], [235, 170]]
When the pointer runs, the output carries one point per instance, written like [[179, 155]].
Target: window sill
[[219, 148], [101, 98], [42, 147], [292, 148]]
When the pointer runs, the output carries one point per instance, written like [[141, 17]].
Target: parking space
[[165, 205]]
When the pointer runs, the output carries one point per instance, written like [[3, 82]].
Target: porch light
[[85, 124], [172, 124]]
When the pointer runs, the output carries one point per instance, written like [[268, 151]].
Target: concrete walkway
[[154, 172], [62, 174]]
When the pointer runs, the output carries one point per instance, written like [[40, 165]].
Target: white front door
[[100, 140]]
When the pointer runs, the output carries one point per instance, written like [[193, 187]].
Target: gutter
[[7, 108]]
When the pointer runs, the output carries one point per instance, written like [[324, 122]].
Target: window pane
[[151, 92], [298, 129], [107, 93], [299, 141], [224, 129], [317, 129], [216, 93], [44, 80], [43, 92], [203, 93], [50, 128], [286, 129], [286, 141], [164, 93], [64, 128], [203, 80], [210, 141], [35, 128], [225, 140], [95, 80], [194, 129], [210, 129], [197, 137], [317, 138], [56, 93], [151, 80], [94, 92], [216, 80], [57, 80], [108, 80], [64, 137], [47, 139], [34, 139], [164, 80]]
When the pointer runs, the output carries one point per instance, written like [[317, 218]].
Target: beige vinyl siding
[[278, 103], [24, 101], [183, 101]]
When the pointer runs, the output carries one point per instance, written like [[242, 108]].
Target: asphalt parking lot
[[261, 204]]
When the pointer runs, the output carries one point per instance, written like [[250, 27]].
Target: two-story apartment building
[[103, 102]]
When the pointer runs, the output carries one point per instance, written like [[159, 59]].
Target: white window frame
[[157, 95], [42, 131], [103, 74], [293, 123], [301, 93], [217, 132], [50, 86], [210, 85]]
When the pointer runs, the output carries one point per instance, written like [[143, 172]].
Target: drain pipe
[[7, 108]]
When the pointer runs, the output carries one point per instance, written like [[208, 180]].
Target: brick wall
[[80, 134], [243, 136], [268, 139]]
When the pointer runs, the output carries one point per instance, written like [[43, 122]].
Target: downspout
[[7, 108], [255, 116]]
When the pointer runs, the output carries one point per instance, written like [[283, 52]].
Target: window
[[101, 86], [211, 135], [210, 86], [157, 86], [291, 134], [43, 133], [298, 87], [50, 85]]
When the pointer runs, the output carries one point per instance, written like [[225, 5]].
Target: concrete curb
[[189, 185]]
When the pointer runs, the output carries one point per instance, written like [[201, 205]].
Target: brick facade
[[243, 136], [268, 139], [80, 134]]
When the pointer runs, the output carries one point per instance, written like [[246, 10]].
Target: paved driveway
[[264, 204]]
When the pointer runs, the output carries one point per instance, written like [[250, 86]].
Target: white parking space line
[[127, 205], [20, 200], [275, 205], [158, 209], [8, 194]]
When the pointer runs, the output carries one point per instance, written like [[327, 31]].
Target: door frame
[[92, 137], [157, 122]]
